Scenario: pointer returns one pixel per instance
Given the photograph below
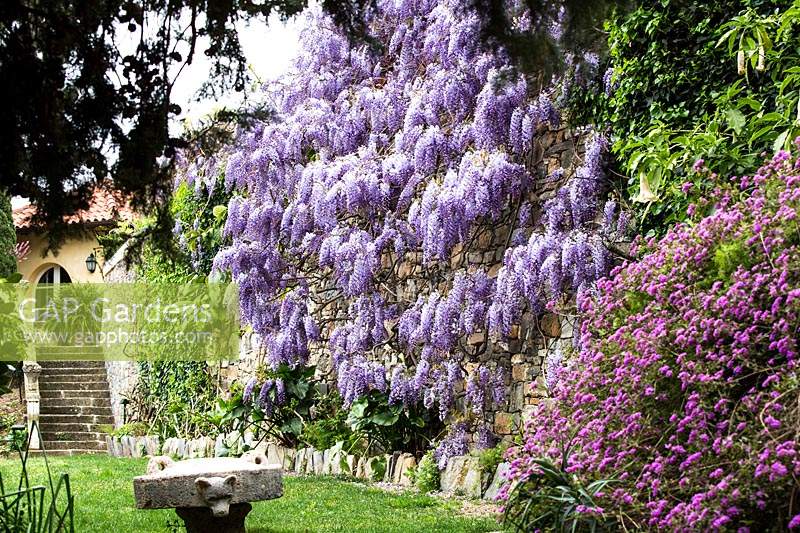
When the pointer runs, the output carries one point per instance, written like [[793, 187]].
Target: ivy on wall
[[693, 80]]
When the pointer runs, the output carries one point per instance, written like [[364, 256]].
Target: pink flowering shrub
[[685, 389]]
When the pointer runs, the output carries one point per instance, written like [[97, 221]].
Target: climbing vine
[[407, 152]]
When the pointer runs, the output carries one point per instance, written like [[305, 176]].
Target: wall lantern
[[91, 263], [124, 403]]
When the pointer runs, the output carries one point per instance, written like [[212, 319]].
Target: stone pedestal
[[202, 520], [30, 372]]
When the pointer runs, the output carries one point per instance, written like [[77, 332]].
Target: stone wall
[[554, 160], [122, 375]]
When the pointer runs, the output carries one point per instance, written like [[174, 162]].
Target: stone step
[[48, 403], [62, 427], [74, 445], [72, 371], [72, 364], [82, 436], [58, 394], [77, 410], [71, 378], [48, 418], [94, 385], [98, 378]]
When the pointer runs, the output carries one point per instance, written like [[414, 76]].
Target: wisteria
[[359, 376], [484, 388], [271, 394], [456, 442], [397, 153], [247, 396], [566, 257]]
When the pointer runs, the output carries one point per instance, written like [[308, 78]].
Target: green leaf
[[725, 36], [301, 388], [771, 117], [634, 164], [358, 408], [752, 103], [385, 418], [417, 421], [294, 425], [220, 211], [760, 133], [780, 141], [736, 119]]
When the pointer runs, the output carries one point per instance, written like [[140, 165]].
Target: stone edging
[[462, 475]]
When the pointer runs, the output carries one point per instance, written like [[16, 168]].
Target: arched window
[[55, 276], [48, 282]]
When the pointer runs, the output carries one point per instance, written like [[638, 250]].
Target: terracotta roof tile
[[105, 206]]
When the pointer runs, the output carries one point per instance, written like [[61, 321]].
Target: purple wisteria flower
[[383, 158], [247, 395]]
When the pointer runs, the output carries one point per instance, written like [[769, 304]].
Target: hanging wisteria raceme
[[568, 257], [386, 151], [363, 331], [359, 376], [455, 443]]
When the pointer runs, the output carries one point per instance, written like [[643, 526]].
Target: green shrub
[[390, 427], [328, 424], [267, 409], [426, 475], [489, 459], [692, 80], [173, 398], [131, 429]]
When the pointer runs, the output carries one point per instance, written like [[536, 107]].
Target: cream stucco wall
[[71, 256]]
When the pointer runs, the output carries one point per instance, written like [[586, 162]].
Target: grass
[[103, 491]]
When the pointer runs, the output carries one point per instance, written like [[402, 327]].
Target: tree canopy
[[8, 238], [79, 107]]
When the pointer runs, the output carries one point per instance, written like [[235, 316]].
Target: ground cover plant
[[103, 491], [684, 393]]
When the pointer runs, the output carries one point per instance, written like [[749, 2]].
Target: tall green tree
[[8, 238]]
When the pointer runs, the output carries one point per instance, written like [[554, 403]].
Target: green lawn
[[104, 502]]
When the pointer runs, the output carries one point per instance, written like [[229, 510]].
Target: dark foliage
[[78, 108], [677, 95], [540, 51], [386, 426], [8, 238]]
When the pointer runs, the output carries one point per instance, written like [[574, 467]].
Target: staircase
[[74, 403]]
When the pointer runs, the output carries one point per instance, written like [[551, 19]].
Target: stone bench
[[210, 495]]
